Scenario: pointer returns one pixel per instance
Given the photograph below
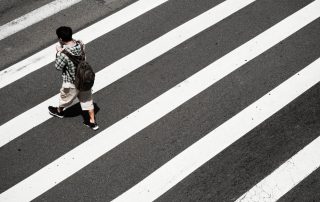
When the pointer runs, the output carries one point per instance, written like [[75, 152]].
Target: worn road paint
[[219, 139], [287, 176]]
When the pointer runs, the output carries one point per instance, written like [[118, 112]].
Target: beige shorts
[[67, 96]]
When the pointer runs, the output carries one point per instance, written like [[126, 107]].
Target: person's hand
[[59, 48]]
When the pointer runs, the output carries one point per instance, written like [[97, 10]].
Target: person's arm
[[60, 62]]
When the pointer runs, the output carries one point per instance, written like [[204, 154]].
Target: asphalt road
[[223, 178]]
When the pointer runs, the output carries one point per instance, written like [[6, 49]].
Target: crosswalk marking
[[124, 66], [213, 143], [34, 17], [47, 55], [87, 152], [287, 176]]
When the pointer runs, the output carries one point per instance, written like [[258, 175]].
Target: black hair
[[64, 33]]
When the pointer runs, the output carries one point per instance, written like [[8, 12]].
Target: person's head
[[64, 33]]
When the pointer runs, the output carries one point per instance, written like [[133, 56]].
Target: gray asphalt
[[223, 178], [42, 34]]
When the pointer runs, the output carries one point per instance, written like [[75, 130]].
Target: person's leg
[[60, 110], [86, 102], [91, 115], [67, 95]]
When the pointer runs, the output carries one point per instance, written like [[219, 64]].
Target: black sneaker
[[93, 126], [54, 112]]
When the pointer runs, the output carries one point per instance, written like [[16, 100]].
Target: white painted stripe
[[34, 17], [47, 55], [287, 176], [219, 139], [124, 66], [87, 152]]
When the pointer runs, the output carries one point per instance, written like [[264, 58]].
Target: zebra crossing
[[34, 17], [146, 122]]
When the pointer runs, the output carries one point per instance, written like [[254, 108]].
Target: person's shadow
[[76, 110]]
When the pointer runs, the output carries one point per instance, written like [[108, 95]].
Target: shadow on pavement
[[76, 110]]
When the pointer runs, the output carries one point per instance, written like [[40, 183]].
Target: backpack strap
[[82, 49], [75, 59]]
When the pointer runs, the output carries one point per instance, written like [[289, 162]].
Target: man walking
[[68, 91]]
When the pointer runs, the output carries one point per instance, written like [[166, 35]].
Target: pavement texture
[[225, 177]]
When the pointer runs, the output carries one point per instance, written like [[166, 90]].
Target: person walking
[[68, 91]]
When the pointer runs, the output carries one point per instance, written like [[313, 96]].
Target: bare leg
[[60, 109], [91, 114]]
